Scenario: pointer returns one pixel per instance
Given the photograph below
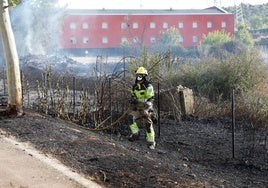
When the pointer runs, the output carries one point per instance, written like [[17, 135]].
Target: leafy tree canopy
[[170, 37], [13, 2], [243, 35], [216, 37]]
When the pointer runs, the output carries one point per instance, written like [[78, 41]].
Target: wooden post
[[186, 101]]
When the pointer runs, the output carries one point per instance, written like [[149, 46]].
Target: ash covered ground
[[192, 153]]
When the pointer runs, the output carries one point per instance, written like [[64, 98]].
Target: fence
[[98, 101]]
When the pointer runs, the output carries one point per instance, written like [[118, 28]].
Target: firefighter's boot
[[151, 145], [134, 137]]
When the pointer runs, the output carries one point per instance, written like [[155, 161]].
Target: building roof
[[210, 10]]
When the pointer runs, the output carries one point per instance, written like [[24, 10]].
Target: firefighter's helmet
[[142, 70]]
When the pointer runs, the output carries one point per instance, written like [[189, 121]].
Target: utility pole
[[239, 17]]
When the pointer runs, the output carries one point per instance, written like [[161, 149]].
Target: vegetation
[[227, 65], [254, 15], [213, 81], [213, 39], [221, 44], [170, 37], [242, 34], [216, 37], [13, 2]]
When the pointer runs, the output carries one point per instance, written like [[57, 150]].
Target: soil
[[190, 153]]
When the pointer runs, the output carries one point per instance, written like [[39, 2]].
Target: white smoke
[[37, 25]]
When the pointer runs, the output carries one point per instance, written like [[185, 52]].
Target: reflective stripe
[[140, 93], [149, 92], [146, 93], [134, 128], [142, 100], [150, 137]]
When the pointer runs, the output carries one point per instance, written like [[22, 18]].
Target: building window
[[152, 25], [165, 25], [104, 40], [181, 39], [85, 40], [72, 25], [223, 24], [124, 40], [104, 25], [124, 25], [209, 24], [72, 40], [85, 26], [181, 25], [135, 25], [153, 40], [195, 39], [195, 25], [136, 39]]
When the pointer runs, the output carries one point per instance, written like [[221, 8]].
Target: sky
[[154, 4]]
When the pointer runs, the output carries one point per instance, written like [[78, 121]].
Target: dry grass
[[251, 106]]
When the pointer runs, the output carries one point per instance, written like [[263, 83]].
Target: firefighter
[[142, 97]]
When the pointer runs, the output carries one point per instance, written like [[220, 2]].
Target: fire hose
[[99, 128], [126, 112]]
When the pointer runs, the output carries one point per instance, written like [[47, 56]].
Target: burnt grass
[[190, 153]]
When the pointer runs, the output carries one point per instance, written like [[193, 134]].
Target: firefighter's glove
[[148, 105]]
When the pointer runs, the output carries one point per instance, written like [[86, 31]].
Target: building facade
[[109, 29]]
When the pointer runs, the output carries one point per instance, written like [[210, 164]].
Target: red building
[[108, 29]]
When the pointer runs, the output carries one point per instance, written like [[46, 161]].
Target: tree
[[243, 35], [216, 37], [170, 37], [13, 2], [12, 61], [256, 22], [227, 49], [213, 40], [170, 40]]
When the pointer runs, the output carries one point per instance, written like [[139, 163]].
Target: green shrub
[[213, 80], [216, 79]]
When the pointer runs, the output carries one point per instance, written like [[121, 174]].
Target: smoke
[[37, 26]]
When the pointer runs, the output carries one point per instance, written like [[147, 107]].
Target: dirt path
[[22, 166]]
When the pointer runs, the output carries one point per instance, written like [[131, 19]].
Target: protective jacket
[[143, 92]]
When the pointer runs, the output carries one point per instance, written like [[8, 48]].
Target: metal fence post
[[158, 109], [74, 87], [233, 123]]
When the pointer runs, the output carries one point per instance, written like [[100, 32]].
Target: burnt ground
[[191, 153]]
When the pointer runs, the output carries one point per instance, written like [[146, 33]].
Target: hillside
[[254, 15], [193, 153]]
